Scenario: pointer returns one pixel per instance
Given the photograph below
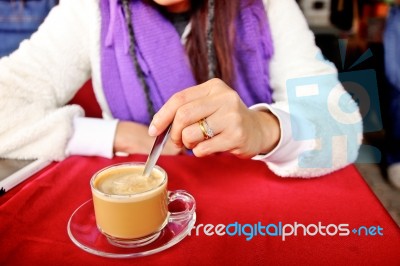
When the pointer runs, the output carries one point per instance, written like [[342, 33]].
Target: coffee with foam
[[128, 205], [125, 181]]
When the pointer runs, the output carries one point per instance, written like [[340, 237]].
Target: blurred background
[[362, 25], [357, 25]]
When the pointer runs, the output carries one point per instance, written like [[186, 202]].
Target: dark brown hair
[[224, 33], [199, 47]]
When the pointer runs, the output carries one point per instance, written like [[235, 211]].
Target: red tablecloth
[[34, 215]]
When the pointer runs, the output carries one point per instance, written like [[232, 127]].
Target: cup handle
[[185, 199]]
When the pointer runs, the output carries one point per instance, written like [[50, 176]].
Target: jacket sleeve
[[321, 124], [38, 79]]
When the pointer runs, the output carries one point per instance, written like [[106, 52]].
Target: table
[[34, 215]]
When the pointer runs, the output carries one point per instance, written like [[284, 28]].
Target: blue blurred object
[[19, 19], [305, 95], [392, 70], [316, 98]]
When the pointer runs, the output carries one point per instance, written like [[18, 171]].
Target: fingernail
[[152, 130]]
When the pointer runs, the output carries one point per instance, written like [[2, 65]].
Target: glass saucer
[[83, 232]]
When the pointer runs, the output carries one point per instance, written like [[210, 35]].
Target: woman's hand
[[236, 128], [132, 138]]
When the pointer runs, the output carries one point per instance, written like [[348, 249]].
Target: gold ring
[[208, 133]]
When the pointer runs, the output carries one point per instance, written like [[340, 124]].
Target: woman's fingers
[[193, 134], [167, 113], [244, 133], [232, 134], [228, 126], [188, 116]]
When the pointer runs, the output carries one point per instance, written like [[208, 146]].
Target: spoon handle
[[155, 152]]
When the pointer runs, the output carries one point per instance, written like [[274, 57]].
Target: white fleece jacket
[[46, 71]]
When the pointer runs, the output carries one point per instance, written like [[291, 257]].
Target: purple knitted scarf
[[164, 62]]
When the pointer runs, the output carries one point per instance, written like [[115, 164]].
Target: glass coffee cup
[[131, 210]]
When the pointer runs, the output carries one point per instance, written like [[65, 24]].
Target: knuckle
[[176, 140], [187, 133], [182, 115], [188, 137], [189, 145], [216, 83], [179, 97]]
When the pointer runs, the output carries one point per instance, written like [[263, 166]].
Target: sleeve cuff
[[92, 137], [288, 150]]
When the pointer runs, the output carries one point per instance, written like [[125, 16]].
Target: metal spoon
[[155, 152]]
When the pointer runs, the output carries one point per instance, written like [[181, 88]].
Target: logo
[[284, 230], [340, 111]]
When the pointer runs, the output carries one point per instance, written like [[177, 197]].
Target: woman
[[217, 71]]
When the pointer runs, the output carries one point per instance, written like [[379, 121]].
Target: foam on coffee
[[122, 181]]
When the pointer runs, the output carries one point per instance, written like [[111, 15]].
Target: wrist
[[119, 140], [270, 132]]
